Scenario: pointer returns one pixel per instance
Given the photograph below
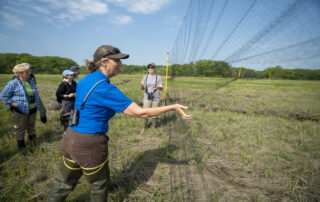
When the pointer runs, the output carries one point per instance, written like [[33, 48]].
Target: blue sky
[[250, 33], [255, 34], [145, 29]]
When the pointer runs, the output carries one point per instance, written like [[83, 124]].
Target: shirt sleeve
[[60, 91], [111, 97], [7, 93], [159, 81], [144, 80]]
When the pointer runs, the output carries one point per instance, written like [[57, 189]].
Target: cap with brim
[[67, 72], [108, 52], [118, 56], [151, 65], [74, 68]]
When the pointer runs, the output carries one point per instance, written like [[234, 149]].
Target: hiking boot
[[154, 122], [32, 137], [21, 145], [144, 125]]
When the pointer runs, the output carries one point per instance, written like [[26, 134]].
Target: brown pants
[[83, 154], [23, 123], [87, 150]]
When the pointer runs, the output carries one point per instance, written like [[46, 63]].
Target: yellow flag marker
[[165, 88], [269, 75], [238, 77], [239, 73]]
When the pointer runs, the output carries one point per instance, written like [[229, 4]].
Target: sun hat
[[152, 65], [108, 52], [67, 72]]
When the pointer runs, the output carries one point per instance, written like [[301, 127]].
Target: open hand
[[71, 95], [142, 86], [179, 109], [14, 104]]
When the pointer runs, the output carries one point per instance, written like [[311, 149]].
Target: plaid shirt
[[14, 91]]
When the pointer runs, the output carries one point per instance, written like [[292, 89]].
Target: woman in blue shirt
[[85, 145]]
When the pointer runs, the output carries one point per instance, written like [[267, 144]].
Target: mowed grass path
[[248, 140]]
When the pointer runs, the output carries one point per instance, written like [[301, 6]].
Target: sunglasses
[[151, 67], [112, 52]]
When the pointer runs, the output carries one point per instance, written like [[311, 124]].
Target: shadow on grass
[[167, 118], [9, 154], [141, 171]]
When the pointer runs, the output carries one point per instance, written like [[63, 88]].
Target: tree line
[[45, 64], [211, 68], [208, 68]]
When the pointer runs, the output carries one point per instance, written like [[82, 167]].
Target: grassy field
[[249, 140]]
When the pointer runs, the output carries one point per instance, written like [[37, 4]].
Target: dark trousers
[[67, 106]]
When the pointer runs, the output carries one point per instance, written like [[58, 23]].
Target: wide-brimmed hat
[[67, 72], [108, 52]]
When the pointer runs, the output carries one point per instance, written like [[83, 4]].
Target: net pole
[[166, 85]]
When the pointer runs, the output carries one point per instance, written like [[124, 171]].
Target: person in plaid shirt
[[23, 99]]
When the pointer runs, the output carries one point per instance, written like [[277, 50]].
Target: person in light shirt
[[151, 84]]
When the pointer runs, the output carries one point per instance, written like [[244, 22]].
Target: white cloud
[[141, 6], [75, 10], [12, 21], [80, 9], [41, 10], [121, 20], [55, 4]]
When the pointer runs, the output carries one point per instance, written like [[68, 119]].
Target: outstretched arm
[[135, 111]]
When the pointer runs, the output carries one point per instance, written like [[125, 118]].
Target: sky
[[254, 34], [144, 29]]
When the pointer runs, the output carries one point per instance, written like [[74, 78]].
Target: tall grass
[[246, 141]]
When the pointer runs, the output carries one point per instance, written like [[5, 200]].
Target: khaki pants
[[23, 123], [151, 104]]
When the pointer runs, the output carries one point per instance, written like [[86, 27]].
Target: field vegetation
[[249, 140], [208, 68]]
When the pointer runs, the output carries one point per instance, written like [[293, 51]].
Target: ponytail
[[91, 66]]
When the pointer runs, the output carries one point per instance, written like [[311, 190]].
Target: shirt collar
[[101, 75]]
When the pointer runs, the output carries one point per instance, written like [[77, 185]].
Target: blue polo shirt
[[104, 101]]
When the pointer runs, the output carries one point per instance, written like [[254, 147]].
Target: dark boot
[[98, 183], [154, 122], [21, 144], [32, 137], [144, 125], [65, 182]]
